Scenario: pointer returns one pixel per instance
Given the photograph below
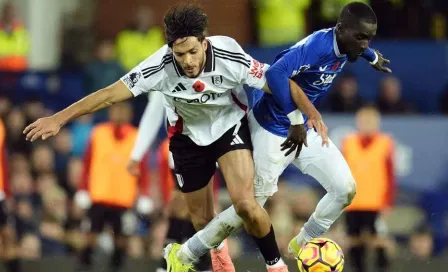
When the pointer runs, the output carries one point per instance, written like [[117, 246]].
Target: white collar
[[335, 45]]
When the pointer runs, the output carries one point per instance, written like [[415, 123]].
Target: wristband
[[375, 60], [296, 118]]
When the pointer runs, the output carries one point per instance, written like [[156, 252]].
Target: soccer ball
[[320, 255]]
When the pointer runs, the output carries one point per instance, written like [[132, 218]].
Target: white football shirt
[[202, 108]]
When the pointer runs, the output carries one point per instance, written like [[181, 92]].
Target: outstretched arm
[[49, 126], [141, 79]]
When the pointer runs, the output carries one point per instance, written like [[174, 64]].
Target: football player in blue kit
[[313, 63]]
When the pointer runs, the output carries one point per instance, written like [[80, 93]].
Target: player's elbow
[[270, 74]]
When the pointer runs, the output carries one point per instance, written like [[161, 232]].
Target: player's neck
[[340, 44], [203, 62]]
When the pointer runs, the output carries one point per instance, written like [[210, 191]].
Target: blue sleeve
[[277, 76], [369, 54]]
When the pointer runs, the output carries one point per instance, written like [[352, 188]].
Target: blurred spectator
[[33, 108], [54, 209], [280, 22], [370, 156], [81, 129], [390, 100], [62, 146], [74, 172], [140, 40], [26, 203], [345, 98], [15, 123], [45, 182], [8, 252], [18, 163], [14, 41], [104, 69], [42, 159], [108, 189], [30, 247], [5, 106], [78, 38]]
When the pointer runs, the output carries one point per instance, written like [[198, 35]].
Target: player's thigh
[[269, 160], [234, 156], [200, 205], [327, 165], [194, 165], [177, 206]]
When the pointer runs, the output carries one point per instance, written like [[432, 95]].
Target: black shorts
[[3, 214], [358, 221], [101, 214], [194, 165]]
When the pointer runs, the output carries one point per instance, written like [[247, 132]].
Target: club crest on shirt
[[217, 80]]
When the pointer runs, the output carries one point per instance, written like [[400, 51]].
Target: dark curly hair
[[184, 20]]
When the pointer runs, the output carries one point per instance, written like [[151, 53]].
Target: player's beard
[[201, 67]]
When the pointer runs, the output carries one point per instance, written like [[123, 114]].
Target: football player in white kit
[[201, 79]]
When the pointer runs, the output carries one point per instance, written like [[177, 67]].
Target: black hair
[[184, 20], [355, 12]]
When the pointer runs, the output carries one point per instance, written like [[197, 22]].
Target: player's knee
[[348, 191], [246, 209]]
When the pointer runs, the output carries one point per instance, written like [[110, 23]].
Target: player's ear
[[205, 44], [340, 27]]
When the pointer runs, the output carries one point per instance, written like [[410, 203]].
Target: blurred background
[[53, 52]]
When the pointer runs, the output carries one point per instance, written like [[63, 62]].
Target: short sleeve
[[149, 74], [247, 70], [299, 59]]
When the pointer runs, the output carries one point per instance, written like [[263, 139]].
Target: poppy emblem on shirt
[[198, 86], [335, 66]]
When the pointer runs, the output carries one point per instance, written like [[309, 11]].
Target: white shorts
[[325, 164]]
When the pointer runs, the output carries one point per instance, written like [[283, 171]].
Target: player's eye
[[361, 37], [193, 52], [179, 54]]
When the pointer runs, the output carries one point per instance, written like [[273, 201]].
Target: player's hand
[[296, 138], [134, 168], [315, 122], [43, 128], [380, 64]]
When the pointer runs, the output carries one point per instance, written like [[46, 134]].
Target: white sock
[[303, 237], [186, 256], [277, 264], [340, 187], [221, 227]]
